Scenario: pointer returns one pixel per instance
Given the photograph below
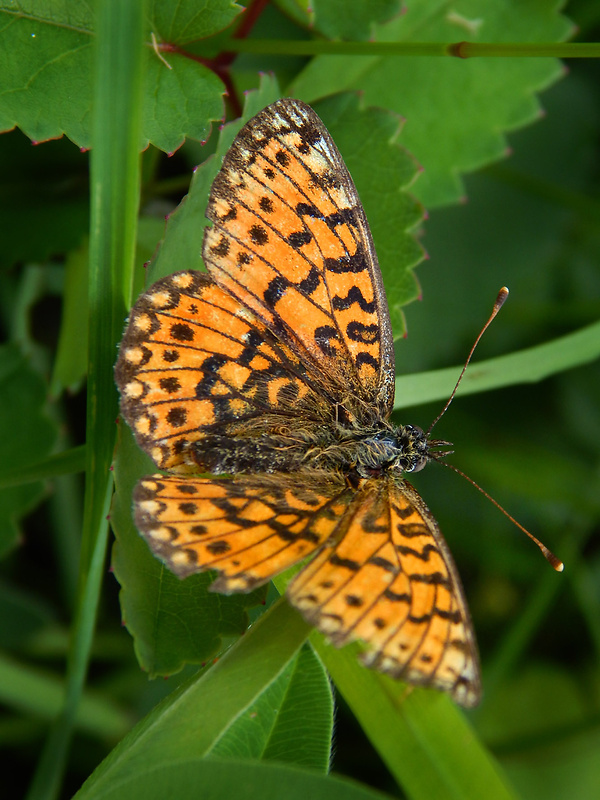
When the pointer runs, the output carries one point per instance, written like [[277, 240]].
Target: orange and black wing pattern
[[388, 579], [291, 242], [194, 361], [274, 375]]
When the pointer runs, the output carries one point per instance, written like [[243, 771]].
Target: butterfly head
[[416, 449], [406, 448]]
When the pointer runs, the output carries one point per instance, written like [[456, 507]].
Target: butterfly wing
[[387, 578], [248, 529], [193, 362], [290, 240]]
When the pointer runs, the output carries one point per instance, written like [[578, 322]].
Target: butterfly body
[[274, 374]]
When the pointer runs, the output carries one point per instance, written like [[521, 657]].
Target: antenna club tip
[[554, 562], [502, 295]]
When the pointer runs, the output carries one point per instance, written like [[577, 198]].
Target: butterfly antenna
[[502, 295], [548, 554]]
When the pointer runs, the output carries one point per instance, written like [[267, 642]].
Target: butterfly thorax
[[366, 451]]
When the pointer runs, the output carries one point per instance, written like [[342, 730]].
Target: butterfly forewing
[[193, 361], [290, 240]]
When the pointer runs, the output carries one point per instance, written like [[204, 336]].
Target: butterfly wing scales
[[248, 529], [390, 582], [193, 361], [291, 241]]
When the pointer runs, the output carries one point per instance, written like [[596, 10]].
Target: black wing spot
[[186, 488], [309, 284], [307, 210], [198, 530], [170, 356], [222, 247], [169, 385], [182, 332], [275, 290], [266, 205], [347, 563], [339, 266], [218, 548], [341, 217], [359, 332], [323, 337], [354, 600], [299, 238], [243, 258], [354, 296], [177, 417], [258, 235], [366, 358]]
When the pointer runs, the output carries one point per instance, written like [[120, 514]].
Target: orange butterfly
[[277, 367]]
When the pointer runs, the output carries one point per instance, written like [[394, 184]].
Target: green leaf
[[182, 245], [46, 68], [188, 20], [28, 435], [456, 110], [423, 738], [304, 723], [222, 780], [192, 721], [338, 19], [290, 722], [173, 622]]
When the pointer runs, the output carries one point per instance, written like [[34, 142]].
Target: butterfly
[[273, 373]]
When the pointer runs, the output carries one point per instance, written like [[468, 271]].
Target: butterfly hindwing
[[390, 582], [248, 529]]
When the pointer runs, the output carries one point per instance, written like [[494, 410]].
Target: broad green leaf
[[456, 110], [223, 780], [338, 19], [200, 713], [188, 20], [182, 244], [173, 622], [46, 68], [290, 722], [28, 435], [304, 725]]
